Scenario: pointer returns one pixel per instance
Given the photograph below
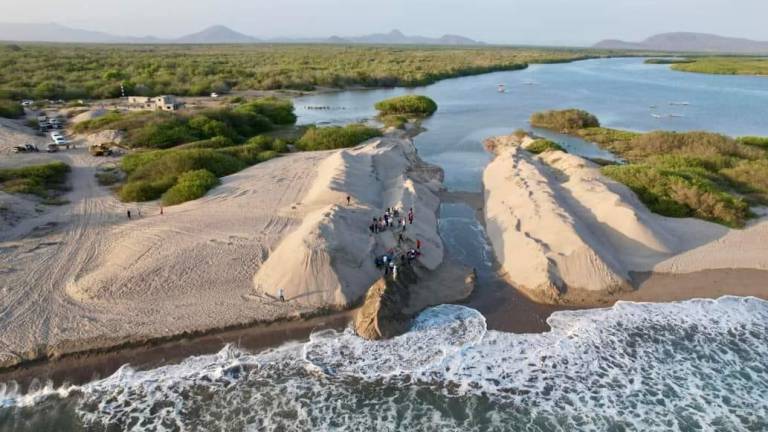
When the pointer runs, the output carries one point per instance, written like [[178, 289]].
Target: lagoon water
[[698, 365]]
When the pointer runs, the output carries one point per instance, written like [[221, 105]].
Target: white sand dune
[[330, 254], [95, 279], [559, 227]]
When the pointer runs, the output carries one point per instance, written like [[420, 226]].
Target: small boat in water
[[501, 88], [679, 103], [530, 83], [654, 115], [676, 115]]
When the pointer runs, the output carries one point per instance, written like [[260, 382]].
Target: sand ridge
[[558, 226]]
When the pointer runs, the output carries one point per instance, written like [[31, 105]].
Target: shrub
[[761, 142], [10, 109], [131, 162], [36, 179], [408, 104], [145, 190], [190, 185], [565, 120], [107, 178], [334, 137], [751, 178], [214, 143], [681, 193], [543, 145], [278, 111]]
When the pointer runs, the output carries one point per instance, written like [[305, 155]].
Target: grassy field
[[97, 71], [725, 66], [691, 174]]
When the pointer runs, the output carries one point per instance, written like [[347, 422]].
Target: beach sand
[[85, 277]]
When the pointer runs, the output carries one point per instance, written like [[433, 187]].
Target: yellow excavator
[[103, 149]]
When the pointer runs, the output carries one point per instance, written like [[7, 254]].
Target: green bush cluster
[[95, 71], [415, 105], [543, 145], [686, 174], [36, 179], [151, 174], [682, 192], [668, 61], [190, 185], [335, 137], [10, 109], [564, 120], [169, 129]]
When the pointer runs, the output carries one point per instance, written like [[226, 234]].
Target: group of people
[[392, 218]]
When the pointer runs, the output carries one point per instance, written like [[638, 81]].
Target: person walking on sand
[[129, 214], [161, 211], [410, 216], [418, 244], [394, 271], [281, 295], [400, 239], [349, 200]]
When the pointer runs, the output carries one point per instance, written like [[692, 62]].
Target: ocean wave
[[693, 365]]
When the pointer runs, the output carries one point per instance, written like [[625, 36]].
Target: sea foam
[[693, 365]]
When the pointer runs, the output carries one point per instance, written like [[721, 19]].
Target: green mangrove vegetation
[[334, 137], [688, 174], [564, 120], [726, 65], [668, 61], [415, 105], [68, 72]]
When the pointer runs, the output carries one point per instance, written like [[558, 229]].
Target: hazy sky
[[498, 21]]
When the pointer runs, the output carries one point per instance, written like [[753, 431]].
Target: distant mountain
[[690, 42], [52, 32], [396, 37], [218, 34]]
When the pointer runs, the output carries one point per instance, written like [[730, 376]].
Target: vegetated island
[[398, 111], [204, 217], [566, 230], [669, 61], [725, 65]]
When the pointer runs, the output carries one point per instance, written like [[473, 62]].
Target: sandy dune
[[329, 254], [560, 229], [90, 278]]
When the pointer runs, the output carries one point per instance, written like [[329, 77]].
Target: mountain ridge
[[689, 42], [216, 34]]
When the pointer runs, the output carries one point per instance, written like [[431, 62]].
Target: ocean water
[[698, 365]]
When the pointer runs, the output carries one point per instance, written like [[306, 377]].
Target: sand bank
[[564, 233], [94, 279]]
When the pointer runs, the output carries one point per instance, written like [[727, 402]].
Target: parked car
[[26, 148], [214, 95], [53, 148], [27, 102]]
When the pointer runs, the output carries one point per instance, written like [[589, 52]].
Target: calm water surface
[[620, 92], [698, 365]]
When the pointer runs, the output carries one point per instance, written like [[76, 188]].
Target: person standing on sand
[[418, 244], [349, 199], [129, 214], [394, 271], [400, 239], [410, 216], [281, 295]]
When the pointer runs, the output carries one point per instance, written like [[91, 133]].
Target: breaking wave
[[693, 365]]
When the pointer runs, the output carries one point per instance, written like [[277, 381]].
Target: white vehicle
[[55, 135], [60, 140], [27, 102], [214, 95]]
